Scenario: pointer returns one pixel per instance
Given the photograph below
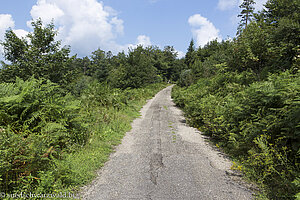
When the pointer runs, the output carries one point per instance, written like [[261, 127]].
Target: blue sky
[[117, 25]]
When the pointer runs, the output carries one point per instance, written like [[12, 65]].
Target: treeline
[[245, 94], [39, 55], [60, 115]]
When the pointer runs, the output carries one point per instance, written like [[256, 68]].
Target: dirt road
[[162, 158]]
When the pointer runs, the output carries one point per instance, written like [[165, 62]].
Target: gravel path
[[163, 158]]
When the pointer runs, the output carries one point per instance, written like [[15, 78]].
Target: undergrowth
[[255, 122], [52, 142]]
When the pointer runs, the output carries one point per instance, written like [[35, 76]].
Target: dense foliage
[[41, 128], [257, 123], [56, 109], [37, 123], [245, 94], [38, 54]]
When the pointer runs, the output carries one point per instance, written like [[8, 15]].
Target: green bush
[[258, 123], [37, 123]]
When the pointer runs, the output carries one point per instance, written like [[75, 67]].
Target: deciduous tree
[[38, 54]]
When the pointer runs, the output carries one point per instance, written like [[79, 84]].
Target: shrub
[[37, 123], [257, 122]]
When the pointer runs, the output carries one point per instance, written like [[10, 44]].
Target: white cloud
[[85, 25], [6, 22], [203, 30], [180, 54], [46, 11], [140, 40], [21, 33], [143, 40], [227, 4], [118, 25], [259, 4], [232, 4]]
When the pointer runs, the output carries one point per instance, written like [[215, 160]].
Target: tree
[[190, 53], [140, 70], [134, 70], [282, 19], [101, 65], [169, 55], [250, 51], [14, 47], [207, 59], [246, 14], [278, 9], [36, 55]]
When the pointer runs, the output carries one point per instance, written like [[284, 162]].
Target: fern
[[36, 116], [257, 123]]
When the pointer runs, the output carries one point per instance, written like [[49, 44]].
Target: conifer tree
[[246, 14], [189, 55]]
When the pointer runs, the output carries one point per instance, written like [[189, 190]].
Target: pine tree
[[189, 55], [246, 14]]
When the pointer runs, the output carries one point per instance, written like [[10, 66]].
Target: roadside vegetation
[[245, 94], [61, 116]]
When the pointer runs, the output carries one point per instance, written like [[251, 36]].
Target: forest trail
[[162, 158]]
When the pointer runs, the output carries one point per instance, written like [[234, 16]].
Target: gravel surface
[[163, 158]]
